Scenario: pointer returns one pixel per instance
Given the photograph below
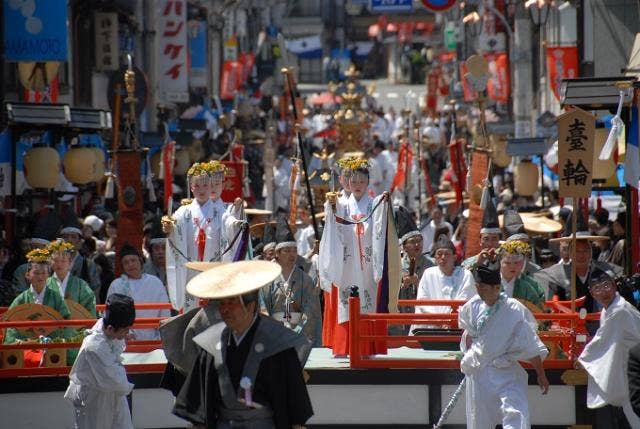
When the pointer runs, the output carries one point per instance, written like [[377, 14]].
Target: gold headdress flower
[[353, 163], [60, 246], [514, 247], [40, 256], [206, 168]]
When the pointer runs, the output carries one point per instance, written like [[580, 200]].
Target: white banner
[[107, 42], [173, 84]]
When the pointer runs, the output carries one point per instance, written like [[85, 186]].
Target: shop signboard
[[172, 51]]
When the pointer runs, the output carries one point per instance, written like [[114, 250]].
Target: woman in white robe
[[353, 255], [200, 230]]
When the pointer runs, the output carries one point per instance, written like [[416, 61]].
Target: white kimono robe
[[606, 356], [98, 385], [147, 289], [496, 384], [434, 284], [353, 255], [218, 221]]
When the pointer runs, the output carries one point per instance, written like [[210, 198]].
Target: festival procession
[[291, 214]]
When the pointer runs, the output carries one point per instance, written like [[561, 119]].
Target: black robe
[[279, 385]]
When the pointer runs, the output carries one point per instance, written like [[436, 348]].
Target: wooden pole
[[574, 223]]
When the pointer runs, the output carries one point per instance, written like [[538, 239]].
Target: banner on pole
[[576, 134], [562, 63]]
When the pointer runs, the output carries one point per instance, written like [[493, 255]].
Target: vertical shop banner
[[197, 54], [35, 30], [172, 51], [433, 82], [230, 79], [576, 137], [498, 84], [107, 46], [562, 63]]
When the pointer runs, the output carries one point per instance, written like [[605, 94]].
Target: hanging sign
[[106, 39], [231, 49], [197, 54], [438, 5], [498, 84], [172, 51], [35, 30], [576, 134], [230, 79], [562, 63]]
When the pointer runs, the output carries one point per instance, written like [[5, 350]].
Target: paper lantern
[[525, 178], [42, 167], [182, 162], [80, 165], [499, 151], [602, 170], [100, 167]]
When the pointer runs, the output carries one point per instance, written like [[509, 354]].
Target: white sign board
[[173, 82]]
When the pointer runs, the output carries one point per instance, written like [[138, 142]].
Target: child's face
[[117, 334]]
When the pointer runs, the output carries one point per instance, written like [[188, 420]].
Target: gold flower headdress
[[207, 168], [514, 247], [353, 163], [40, 256], [60, 246]]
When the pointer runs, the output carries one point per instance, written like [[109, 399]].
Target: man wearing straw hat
[[557, 279], [200, 230], [498, 332], [248, 370]]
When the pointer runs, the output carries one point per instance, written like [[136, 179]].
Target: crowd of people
[[512, 275]]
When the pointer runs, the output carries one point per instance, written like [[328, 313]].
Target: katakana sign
[[173, 85], [576, 134]]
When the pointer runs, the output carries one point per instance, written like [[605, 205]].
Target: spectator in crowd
[[429, 229], [82, 266]]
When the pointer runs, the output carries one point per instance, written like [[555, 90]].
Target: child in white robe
[[98, 384]]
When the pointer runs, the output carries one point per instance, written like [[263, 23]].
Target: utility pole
[[522, 73]]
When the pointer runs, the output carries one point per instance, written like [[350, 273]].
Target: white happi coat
[[496, 384], [606, 356], [434, 284], [98, 385], [217, 219], [146, 289], [346, 261]]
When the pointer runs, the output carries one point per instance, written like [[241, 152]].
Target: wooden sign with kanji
[[576, 136]]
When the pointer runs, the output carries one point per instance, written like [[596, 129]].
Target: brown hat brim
[[579, 237]]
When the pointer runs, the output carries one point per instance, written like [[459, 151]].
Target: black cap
[[128, 249], [490, 223], [581, 224], [119, 311], [486, 275], [406, 226], [513, 223]]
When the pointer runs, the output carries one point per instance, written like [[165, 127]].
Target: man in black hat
[[444, 281], [141, 287], [498, 332], [490, 235], [248, 370]]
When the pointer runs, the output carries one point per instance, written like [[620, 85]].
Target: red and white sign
[[562, 63], [498, 84], [173, 82], [233, 181], [230, 79]]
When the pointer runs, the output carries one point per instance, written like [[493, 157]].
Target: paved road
[[385, 93]]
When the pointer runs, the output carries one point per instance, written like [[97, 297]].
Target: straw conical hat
[[202, 266], [234, 279], [580, 235]]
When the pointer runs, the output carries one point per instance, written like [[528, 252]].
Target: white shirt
[[429, 231], [38, 298], [507, 286], [62, 284]]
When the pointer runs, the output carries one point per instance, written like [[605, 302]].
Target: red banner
[[498, 85], [405, 159], [458, 167], [562, 63], [433, 81], [230, 79], [470, 94], [233, 181]]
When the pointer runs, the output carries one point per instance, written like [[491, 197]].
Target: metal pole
[[542, 180]]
